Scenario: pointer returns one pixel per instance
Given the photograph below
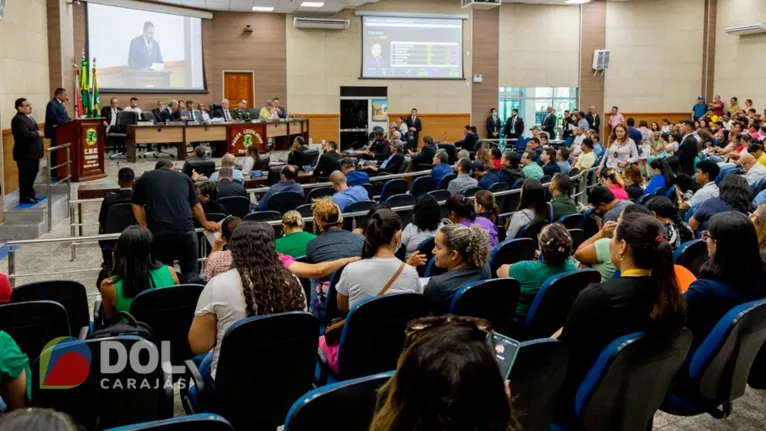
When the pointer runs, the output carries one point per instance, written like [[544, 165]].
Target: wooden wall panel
[[593, 37], [674, 117], [323, 127], [442, 127], [708, 48], [486, 61]]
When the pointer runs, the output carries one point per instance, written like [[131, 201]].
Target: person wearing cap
[[464, 179], [535, 131], [481, 172], [699, 109]]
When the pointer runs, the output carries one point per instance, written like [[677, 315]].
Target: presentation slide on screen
[[412, 48], [142, 50]]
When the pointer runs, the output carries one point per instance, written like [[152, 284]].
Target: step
[[38, 212], [15, 231]]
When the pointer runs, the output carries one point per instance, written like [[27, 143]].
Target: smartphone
[[506, 350]]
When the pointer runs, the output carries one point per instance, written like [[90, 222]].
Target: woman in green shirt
[[555, 245], [135, 270], [294, 241], [15, 376]]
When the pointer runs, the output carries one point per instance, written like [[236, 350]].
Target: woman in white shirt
[[257, 284], [426, 221], [621, 152], [202, 115], [251, 161]]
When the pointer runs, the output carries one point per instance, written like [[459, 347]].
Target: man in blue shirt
[[485, 177], [228, 161], [441, 167], [286, 184], [700, 108], [353, 177], [345, 195], [634, 133]]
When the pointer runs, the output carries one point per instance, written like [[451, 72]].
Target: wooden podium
[[87, 138], [243, 135]]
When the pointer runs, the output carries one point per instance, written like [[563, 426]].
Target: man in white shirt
[[754, 171], [707, 171], [223, 112], [579, 136], [133, 106]]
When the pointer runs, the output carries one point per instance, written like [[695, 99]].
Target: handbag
[[335, 328]]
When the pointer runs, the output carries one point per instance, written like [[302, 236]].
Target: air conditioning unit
[[481, 4], [327, 24], [601, 59], [747, 29]]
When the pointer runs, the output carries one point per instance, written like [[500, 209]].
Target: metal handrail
[[67, 178]]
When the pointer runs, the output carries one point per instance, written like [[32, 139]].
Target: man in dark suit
[[227, 187], [329, 161], [414, 126], [393, 162], [55, 114], [110, 113], [594, 120], [494, 125], [172, 113], [549, 122], [125, 179], [27, 149], [144, 50], [514, 126], [688, 149], [279, 107], [157, 112], [426, 154], [223, 111], [469, 139]]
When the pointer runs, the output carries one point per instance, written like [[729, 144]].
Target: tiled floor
[[54, 259]]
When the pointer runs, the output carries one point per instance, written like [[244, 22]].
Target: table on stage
[[237, 135]]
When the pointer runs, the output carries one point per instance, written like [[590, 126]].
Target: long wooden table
[[237, 135]]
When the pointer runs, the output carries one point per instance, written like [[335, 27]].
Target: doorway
[[238, 85]]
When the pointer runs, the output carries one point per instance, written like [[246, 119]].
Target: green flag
[[96, 109], [85, 87]]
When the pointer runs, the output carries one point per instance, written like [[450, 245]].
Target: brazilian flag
[[85, 87], [96, 109]]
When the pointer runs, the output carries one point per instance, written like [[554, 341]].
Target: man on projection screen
[[144, 50]]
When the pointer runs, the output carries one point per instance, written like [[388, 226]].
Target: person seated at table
[[393, 162], [497, 158], [353, 176], [135, 270], [461, 210], [207, 191], [482, 173], [530, 168], [469, 139], [463, 180], [510, 173], [125, 179], [380, 147], [227, 187], [15, 377], [532, 207], [296, 152], [550, 167], [328, 161], [560, 188], [294, 240], [614, 182], [195, 162], [202, 114], [286, 184], [228, 161], [345, 195], [253, 162], [464, 253], [426, 154], [426, 220]]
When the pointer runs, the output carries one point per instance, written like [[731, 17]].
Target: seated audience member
[[676, 231], [380, 148], [756, 150], [379, 267], [754, 171], [135, 270], [485, 157], [446, 374], [587, 158], [5, 289], [425, 222], [612, 180], [510, 173], [731, 276], [257, 283], [296, 152], [253, 162], [464, 253], [497, 158], [555, 245], [758, 218], [15, 378], [606, 205], [536, 145], [485, 205], [228, 161], [532, 207], [393, 163], [286, 184], [426, 154], [662, 176], [208, 193], [550, 167], [219, 259], [294, 240], [562, 159], [195, 162], [486, 178], [345, 195], [227, 187], [463, 154], [707, 172], [560, 188], [329, 161], [645, 298], [463, 180], [598, 149], [469, 139], [441, 167], [361, 228], [633, 180], [735, 195], [460, 210], [125, 179], [530, 168], [353, 177]]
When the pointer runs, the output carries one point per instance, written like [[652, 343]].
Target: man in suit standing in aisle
[[27, 149], [55, 114], [688, 150], [494, 124], [414, 126], [549, 123], [144, 50], [514, 127]]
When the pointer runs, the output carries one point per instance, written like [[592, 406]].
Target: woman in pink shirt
[[614, 182]]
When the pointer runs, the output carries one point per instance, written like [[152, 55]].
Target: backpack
[[131, 327]]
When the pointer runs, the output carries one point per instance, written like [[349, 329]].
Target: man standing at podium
[[144, 50], [55, 114], [27, 149]]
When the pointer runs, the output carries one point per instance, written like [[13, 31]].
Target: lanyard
[[636, 273]]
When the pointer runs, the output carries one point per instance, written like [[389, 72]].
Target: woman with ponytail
[[555, 245], [676, 231], [485, 206], [645, 298], [460, 210], [367, 277]]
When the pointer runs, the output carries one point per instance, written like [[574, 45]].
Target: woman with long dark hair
[[645, 298], [735, 194], [731, 276], [135, 270], [460, 210], [622, 150], [662, 176], [532, 207], [425, 222], [676, 231], [683, 182]]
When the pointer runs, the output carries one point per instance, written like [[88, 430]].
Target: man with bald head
[[345, 195], [228, 161], [223, 111], [754, 171]]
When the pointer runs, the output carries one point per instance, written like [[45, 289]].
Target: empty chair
[[571, 221], [274, 175], [494, 300], [237, 206], [391, 188], [373, 335], [404, 200], [119, 216], [589, 224], [628, 381], [440, 195], [532, 229], [691, 255], [725, 172], [309, 158], [354, 222], [471, 191], [343, 406], [512, 200], [307, 211], [718, 370], [578, 237], [105, 399], [545, 179], [70, 294], [265, 364], [32, 324], [550, 308], [263, 216], [511, 251], [319, 192], [422, 185], [285, 201], [427, 248], [537, 376], [118, 134], [451, 152], [200, 422], [405, 165], [370, 191], [446, 180], [499, 187]]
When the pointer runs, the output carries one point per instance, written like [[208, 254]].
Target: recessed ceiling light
[[577, 1], [312, 4], [263, 8]]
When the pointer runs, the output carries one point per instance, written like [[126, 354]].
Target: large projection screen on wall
[[145, 51], [412, 48]]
